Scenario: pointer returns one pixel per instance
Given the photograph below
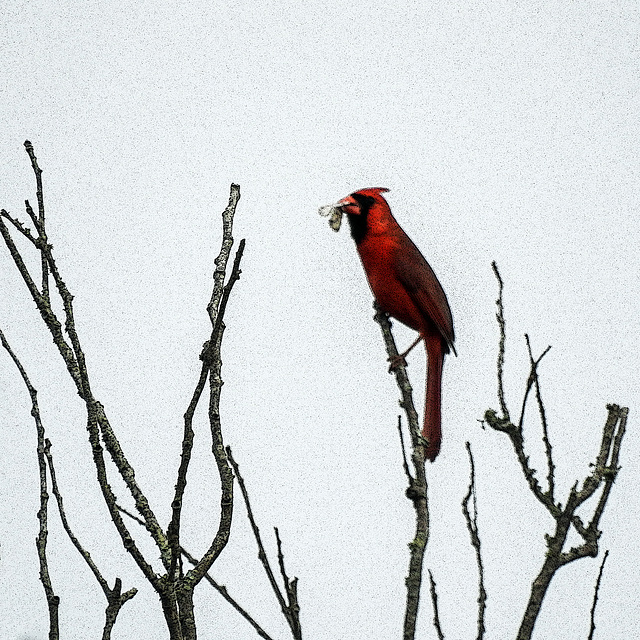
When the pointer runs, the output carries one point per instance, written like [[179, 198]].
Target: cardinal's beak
[[348, 205]]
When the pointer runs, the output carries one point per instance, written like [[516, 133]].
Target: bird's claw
[[396, 361], [423, 441]]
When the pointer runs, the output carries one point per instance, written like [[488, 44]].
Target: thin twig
[[517, 440], [504, 423], [551, 468], [222, 590], [472, 526], [290, 616], [434, 600], [115, 598], [26, 232], [503, 337], [38, 173], [405, 462], [44, 306], [610, 472], [40, 220], [173, 530], [531, 382], [291, 587], [225, 251], [595, 596]]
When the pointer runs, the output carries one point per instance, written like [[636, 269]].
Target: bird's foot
[[396, 361], [399, 359]]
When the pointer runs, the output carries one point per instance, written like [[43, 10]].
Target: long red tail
[[432, 420]]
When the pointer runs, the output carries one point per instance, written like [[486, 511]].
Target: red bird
[[406, 287]]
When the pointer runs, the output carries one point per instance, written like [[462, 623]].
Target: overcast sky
[[505, 131]]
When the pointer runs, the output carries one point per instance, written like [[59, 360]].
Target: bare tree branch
[[472, 526], [417, 490], [177, 601], [53, 601], [603, 475], [213, 359], [504, 423], [25, 231], [551, 469], [221, 589], [173, 531], [213, 307]]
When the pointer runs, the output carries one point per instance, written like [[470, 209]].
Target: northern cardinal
[[406, 288]]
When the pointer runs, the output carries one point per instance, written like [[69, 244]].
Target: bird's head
[[366, 210], [360, 202]]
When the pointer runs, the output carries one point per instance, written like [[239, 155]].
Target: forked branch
[[211, 364], [289, 606], [71, 351], [53, 600], [174, 588], [115, 598], [602, 477]]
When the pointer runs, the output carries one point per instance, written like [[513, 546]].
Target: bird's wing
[[424, 289]]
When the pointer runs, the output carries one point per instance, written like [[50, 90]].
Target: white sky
[[505, 130]]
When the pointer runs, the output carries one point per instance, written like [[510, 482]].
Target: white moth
[[335, 213]]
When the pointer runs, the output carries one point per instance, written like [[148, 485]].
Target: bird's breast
[[379, 256]]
